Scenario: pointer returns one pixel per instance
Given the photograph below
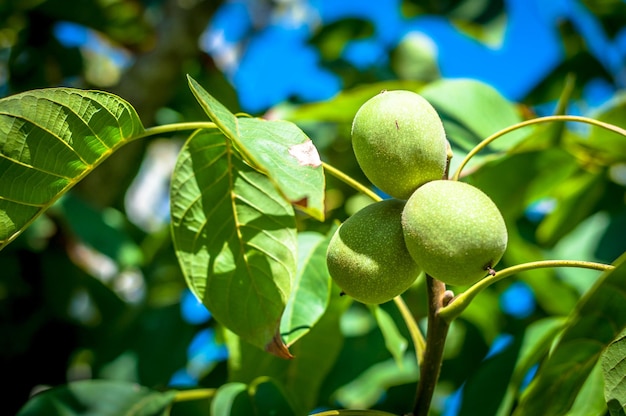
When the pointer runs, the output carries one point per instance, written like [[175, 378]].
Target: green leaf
[[232, 399], [263, 396], [349, 412], [269, 398], [553, 295], [538, 337], [590, 398], [234, 236], [99, 398], [486, 387], [49, 140], [303, 376], [311, 288], [278, 148], [342, 107], [597, 320], [366, 389], [290, 160], [220, 115], [472, 111], [576, 199], [600, 144], [394, 341], [613, 368]]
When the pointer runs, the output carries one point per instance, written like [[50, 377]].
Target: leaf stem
[[174, 127], [414, 330], [462, 301], [349, 412], [562, 118], [435, 341], [351, 182], [416, 334], [195, 394]]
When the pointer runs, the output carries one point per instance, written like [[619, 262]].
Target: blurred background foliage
[[93, 289]]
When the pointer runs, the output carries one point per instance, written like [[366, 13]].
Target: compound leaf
[[100, 398], [278, 148], [598, 319], [234, 236], [49, 140]]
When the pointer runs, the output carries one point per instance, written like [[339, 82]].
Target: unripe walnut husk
[[399, 142], [454, 231], [367, 257]]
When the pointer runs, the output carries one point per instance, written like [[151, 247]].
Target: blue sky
[[269, 60], [273, 63]]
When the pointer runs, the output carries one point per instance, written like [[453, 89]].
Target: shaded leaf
[[511, 192], [394, 341], [552, 294], [269, 398], [576, 199], [613, 368], [49, 140], [311, 289], [234, 236], [278, 148], [472, 111], [604, 146], [538, 338], [99, 398], [302, 377], [544, 136], [590, 398], [597, 320], [486, 387]]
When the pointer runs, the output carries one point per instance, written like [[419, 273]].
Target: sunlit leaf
[[220, 115], [49, 140], [311, 288], [232, 399], [234, 236], [597, 320], [289, 158], [613, 368], [263, 396], [100, 398], [278, 148], [365, 390], [342, 107]]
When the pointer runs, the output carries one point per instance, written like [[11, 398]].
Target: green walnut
[[367, 257], [399, 142], [454, 231]]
